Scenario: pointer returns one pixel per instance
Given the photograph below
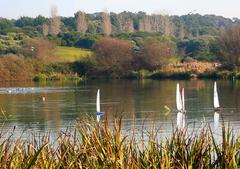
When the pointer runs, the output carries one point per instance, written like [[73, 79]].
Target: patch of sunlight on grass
[[72, 54]]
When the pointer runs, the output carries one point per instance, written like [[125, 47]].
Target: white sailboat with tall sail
[[180, 102], [98, 112], [178, 98], [216, 106], [215, 97]]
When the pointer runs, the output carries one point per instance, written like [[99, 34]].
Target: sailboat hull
[[100, 113]]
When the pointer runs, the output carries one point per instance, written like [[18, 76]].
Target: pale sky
[[17, 8]]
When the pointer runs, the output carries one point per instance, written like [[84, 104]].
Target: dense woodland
[[123, 42]]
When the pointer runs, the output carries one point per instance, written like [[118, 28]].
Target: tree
[[202, 48], [145, 24], [38, 48], [55, 22], [24, 21], [45, 29], [40, 20], [229, 42], [154, 53], [157, 23], [5, 24], [81, 22], [106, 23], [69, 23], [125, 23], [114, 57], [168, 26]]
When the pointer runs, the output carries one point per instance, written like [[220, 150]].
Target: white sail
[[98, 101], [183, 120], [183, 100], [216, 120], [180, 120], [215, 96], [178, 99]]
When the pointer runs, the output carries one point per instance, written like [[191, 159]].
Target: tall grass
[[103, 145]]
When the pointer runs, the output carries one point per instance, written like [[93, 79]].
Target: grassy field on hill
[[72, 54]]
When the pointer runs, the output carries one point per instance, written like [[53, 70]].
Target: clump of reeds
[[101, 145]]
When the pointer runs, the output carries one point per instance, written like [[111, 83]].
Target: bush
[[78, 39], [225, 74], [154, 53], [141, 74], [15, 68], [83, 67], [207, 75], [237, 75], [171, 75], [57, 76], [40, 77], [38, 48], [113, 57]]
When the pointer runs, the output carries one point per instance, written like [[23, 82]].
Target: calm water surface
[[140, 102]]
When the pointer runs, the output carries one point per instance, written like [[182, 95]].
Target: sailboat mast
[[98, 101], [215, 97], [178, 98]]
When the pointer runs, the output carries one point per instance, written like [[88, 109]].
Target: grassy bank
[[100, 146], [71, 54]]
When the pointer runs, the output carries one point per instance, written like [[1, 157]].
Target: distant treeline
[[193, 34], [191, 25]]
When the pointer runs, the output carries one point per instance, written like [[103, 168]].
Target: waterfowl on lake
[[43, 98]]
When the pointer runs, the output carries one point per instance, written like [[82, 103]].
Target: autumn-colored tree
[[114, 57], [168, 26], [45, 29], [154, 53], [125, 23], [181, 31], [55, 22], [38, 48], [14, 67], [145, 24], [106, 23], [229, 42], [157, 23], [81, 22]]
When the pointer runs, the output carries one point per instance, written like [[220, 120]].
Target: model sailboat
[[98, 113], [180, 101], [216, 106], [215, 97]]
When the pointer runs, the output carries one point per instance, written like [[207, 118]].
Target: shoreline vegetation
[[104, 145], [15, 68], [21, 69]]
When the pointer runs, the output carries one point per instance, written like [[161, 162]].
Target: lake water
[[139, 102]]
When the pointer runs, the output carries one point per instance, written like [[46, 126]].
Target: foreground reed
[[93, 145]]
